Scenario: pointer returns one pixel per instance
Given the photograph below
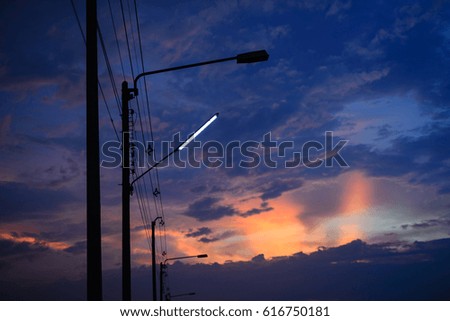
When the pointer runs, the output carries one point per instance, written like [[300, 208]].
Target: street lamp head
[[253, 56], [201, 256]]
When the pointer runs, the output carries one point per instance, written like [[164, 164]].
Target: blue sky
[[375, 74]]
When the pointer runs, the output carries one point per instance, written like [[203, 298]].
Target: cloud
[[354, 271], [258, 258], [313, 5], [77, 248], [209, 208], [43, 162], [27, 266], [338, 7], [255, 211], [200, 231], [324, 275], [407, 18], [217, 237], [346, 84], [10, 248], [20, 201], [277, 187], [442, 222], [403, 157], [5, 127]]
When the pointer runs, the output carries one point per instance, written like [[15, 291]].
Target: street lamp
[[180, 147], [127, 95], [244, 58], [163, 266]]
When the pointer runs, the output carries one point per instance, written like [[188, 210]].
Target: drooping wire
[[78, 21], [108, 66], [146, 215], [117, 39], [133, 41], [99, 84], [109, 112], [126, 37], [140, 191], [151, 126]]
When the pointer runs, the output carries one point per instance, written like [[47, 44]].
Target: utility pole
[[154, 257], [127, 187], [161, 281], [93, 217], [126, 191]]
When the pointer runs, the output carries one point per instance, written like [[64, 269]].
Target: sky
[[335, 145]]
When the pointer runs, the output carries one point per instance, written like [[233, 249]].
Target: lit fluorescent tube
[[198, 131]]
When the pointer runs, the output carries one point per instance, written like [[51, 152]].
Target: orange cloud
[[235, 238], [274, 233], [277, 232], [32, 240], [355, 202], [357, 195]]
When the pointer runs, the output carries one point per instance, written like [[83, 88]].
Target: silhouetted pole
[[154, 257], [93, 217], [163, 266], [127, 95], [127, 187], [126, 242], [161, 281]]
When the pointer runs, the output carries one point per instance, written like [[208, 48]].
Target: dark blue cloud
[[217, 237], [199, 232], [208, 208], [40, 54], [77, 248], [402, 158], [9, 248], [208, 239], [355, 271], [255, 211], [276, 187], [20, 201], [444, 222]]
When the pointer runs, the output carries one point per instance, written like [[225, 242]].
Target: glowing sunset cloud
[[218, 247], [32, 240], [356, 201], [280, 231], [357, 193], [274, 233], [348, 233]]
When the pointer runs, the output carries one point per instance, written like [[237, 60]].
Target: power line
[[145, 190], [117, 39], [149, 117], [78, 21], [126, 37], [99, 84], [108, 67], [109, 112]]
